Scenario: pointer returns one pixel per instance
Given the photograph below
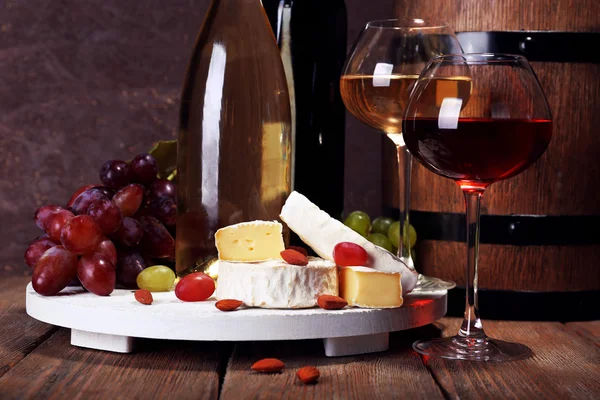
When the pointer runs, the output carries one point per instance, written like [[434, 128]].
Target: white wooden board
[[109, 323]]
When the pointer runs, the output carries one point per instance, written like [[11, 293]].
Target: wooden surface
[[524, 268], [38, 362], [473, 15]]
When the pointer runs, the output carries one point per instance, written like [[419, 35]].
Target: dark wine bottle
[[311, 35]]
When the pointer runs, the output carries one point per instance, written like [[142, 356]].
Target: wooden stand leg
[[351, 345], [101, 341]]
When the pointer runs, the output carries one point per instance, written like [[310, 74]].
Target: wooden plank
[[587, 329], [473, 15], [19, 334], [514, 268], [564, 365], [157, 370], [397, 373]]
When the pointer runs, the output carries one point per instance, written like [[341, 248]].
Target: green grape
[[359, 222], [382, 225], [412, 236], [394, 234], [156, 279], [381, 241]]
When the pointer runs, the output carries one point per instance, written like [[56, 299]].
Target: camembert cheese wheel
[[277, 284]]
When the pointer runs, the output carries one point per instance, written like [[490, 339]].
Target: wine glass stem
[[404, 173], [471, 325]]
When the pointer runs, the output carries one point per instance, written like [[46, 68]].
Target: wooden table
[[37, 361]]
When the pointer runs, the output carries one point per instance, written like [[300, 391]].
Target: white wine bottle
[[233, 162]]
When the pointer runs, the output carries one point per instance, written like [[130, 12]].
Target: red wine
[[479, 151]]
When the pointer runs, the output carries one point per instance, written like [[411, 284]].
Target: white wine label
[[449, 113], [381, 75]]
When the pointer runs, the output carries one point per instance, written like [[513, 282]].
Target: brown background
[[86, 81]]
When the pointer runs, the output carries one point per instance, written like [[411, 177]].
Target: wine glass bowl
[[493, 131], [376, 83]]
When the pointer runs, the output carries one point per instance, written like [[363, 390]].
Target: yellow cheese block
[[250, 241], [370, 288]]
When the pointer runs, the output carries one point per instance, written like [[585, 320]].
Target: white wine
[[234, 138], [380, 101]]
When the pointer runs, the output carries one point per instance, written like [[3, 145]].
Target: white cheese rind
[[277, 284], [321, 232]]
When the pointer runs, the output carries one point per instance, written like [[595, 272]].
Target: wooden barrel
[[540, 230]]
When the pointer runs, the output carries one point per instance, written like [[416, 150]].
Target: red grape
[[115, 174], [56, 223], [53, 271], [157, 242], [106, 214], [97, 274], [129, 199], [347, 254], [108, 192], [163, 188], [130, 264], [83, 201], [77, 193], [164, 209], [107, 249], [43, 214], [81, 235], [129, 233], [144, 169], [195, 287], [37, 248]]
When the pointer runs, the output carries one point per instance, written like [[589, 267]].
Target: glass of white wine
[[376, 84]]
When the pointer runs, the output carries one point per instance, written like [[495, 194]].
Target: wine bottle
[[233, 161], [312, 36]]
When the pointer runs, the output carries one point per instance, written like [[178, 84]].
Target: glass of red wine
[[493, 131]]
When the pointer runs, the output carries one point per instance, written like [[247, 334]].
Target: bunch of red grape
[[106, 234]]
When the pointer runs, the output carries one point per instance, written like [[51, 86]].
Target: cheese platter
[[351, 295]]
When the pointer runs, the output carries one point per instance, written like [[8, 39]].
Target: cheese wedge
[[321, 232], [369, 288], [277, 284], [250, 241]]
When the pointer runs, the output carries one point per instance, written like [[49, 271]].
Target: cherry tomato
[[347, 254], [195, 287]]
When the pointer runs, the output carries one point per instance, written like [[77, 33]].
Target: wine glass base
[[469, 349], [428, 284]]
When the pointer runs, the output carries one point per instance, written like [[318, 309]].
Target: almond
[[308, 374], [228, 304], [143, 296], [299, 249], [268, 365], [329, 302], [294, 257]]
